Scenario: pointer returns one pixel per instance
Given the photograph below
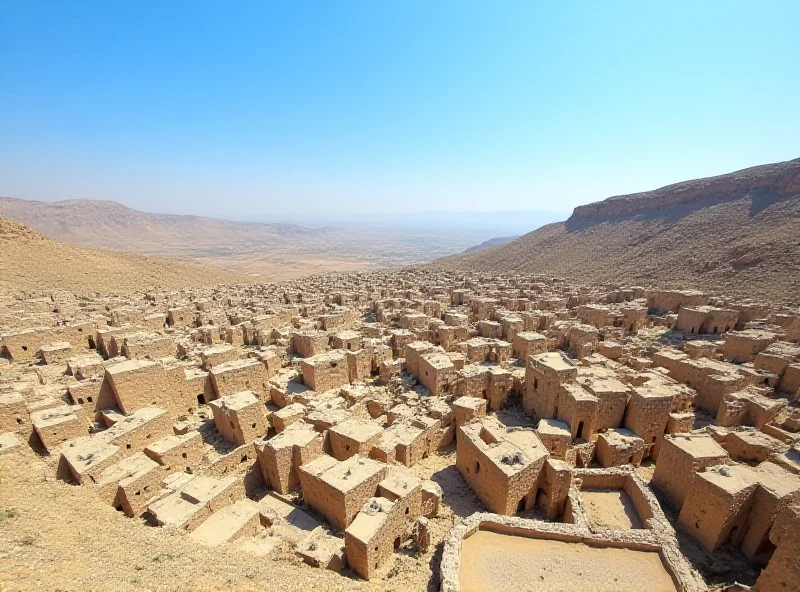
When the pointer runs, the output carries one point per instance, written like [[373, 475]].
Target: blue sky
[[260, 109]]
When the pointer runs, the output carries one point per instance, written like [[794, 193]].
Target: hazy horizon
[[274, 111]]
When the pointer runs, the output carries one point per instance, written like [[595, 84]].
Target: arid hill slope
[[737, 234], [109, 225], [272, 251], [492, 242], [32, 262]]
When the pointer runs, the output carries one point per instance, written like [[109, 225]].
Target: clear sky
[[240, 109]]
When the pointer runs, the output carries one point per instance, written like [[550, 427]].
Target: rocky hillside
[[110, 225], [273, 251], [737, 233], [31, 262], [492, 242]]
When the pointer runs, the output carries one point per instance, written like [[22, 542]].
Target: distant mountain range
[[107, 224], [276, 250]]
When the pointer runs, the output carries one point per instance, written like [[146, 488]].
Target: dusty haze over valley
[[271, 251]]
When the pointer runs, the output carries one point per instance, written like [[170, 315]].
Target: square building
[[680, 458]]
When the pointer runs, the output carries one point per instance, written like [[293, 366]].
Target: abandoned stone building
[[357, 416]]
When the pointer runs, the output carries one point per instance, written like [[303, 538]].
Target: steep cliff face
[[773, 180], [736, 234]]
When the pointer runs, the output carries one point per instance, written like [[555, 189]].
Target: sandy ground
[[57, 536], [277, 267], [497, 562], [54, 536], [610, 508], [31, 262]]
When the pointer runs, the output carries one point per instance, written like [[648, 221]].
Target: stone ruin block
[[323, 550], [146, 345], [241, 462], [55, 353], [22, 345], [347, 340], [554, 485], [84, 366], [308, 344], [240, 418], [717, 505], [555, 436], [181, 316], [501, 465], [465, 409], [93, 394], [57, 425], [145, 383], [191, 499], [777, 490], [647, 415], [744, 346], [619, 447], [14, 416], [359, 365], [240, 375], [391, 368], [499, 388], [370, 541], [130, 483], [230, 523], [325, 371], [748, 408], [544, 374], [406, 441], [338, 490], [612, 396], [751, 446], [413, 353], [353, 437], [141, 428], [783, 572], [436, 373], [610, 349], [383, 524], [577, 408], [472, 381], [218, 354], [285, 417], [85, 458], [108, 338], [680, 458], [235, 334], [177, 452], [281, 457]]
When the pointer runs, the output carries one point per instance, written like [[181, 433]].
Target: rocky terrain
[[737, 233], [29, 261], [492, 242]]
